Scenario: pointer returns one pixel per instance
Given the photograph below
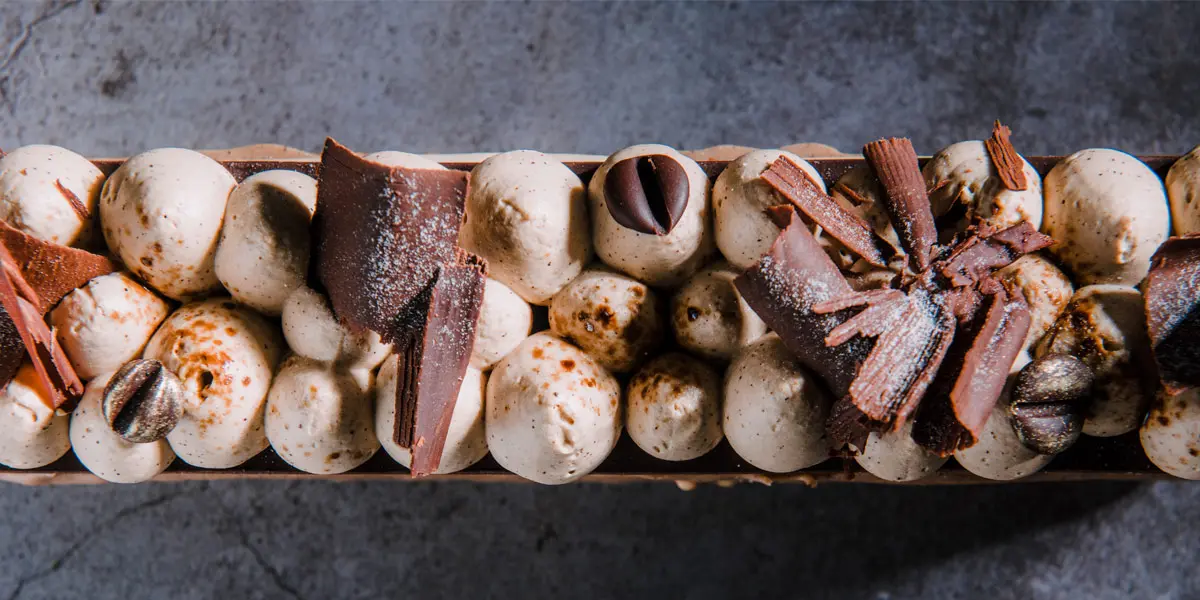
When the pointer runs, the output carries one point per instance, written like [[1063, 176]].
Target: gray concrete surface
[[111, 79]]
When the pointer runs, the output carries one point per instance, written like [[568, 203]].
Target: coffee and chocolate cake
[[770, 316]]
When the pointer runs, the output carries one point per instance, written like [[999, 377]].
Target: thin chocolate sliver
[[978, 257], [973, 375], [50, 270], [787, 178], [1008, 164], [434, 359], [895, 164], [1172, 292], [785, 285], [380, 235], [73, 200]]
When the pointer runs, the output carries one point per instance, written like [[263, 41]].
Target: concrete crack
[[61, 560], [18, 45], [244, 540]]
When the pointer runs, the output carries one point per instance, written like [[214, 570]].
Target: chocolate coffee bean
[[647, 194], [1048, 401], [143, 401]]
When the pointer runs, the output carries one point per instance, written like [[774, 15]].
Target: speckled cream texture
[[32, 435], [659, 260], [961, 175], [999, 454], [32, 198], [161, 214], [466, 442], [106, 323], [673, 407], [505, 319], [1046, 289], [263, 252], [1105, 327], [1183, 190], [1108, 213], [613, 318], [553, 414], [775, 410], [320, 419], [527, 216], [710, 317], [106, 454], [742, 230], [1171, 434], [894, 456], [224, 354], [312, 330]]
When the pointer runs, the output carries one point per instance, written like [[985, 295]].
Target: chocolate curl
[[380, 234], [434, 359], [787, 178], [47, 270], [979, 256], [895, 164], [913, 331], [785, 285], [1008, 164], [1172, 292], [973, 375]]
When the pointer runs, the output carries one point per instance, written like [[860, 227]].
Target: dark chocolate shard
[[76, 204], [785, 285], [647, 194], [433, 360], [980, 255], [913, 332], [973, 374], [1172, 292], [848, 425], [1008, 164], [895, 164], [381, 233], [49, 270], [787, 178], [36, 340]]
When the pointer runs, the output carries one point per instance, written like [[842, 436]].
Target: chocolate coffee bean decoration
[[143, 401], [647, 194], [1048, 402]]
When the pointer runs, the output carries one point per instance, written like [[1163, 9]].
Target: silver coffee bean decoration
[[143, 401], [1048, 402]]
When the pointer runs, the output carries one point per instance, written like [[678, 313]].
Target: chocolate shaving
[[79, 207], [895, 164], [35, 339], [973, 375], [979, 255], [434, 359], [380, 234], [785, 285], [913, 333], [787, 178], [1008, 164], [50, 271], [1172, 292]]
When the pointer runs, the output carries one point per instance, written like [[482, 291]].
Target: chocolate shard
[[895, 164], [787, 178], [973, 375], [34, 338], [380, 234], [913, 331], [1172, 292], [76, 204], [847, 424], [433, 359], [784, 287], [49, 270], [980, 255], [1008, 164], [647, 194]]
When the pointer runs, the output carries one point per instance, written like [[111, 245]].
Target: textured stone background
[[112, 79]]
